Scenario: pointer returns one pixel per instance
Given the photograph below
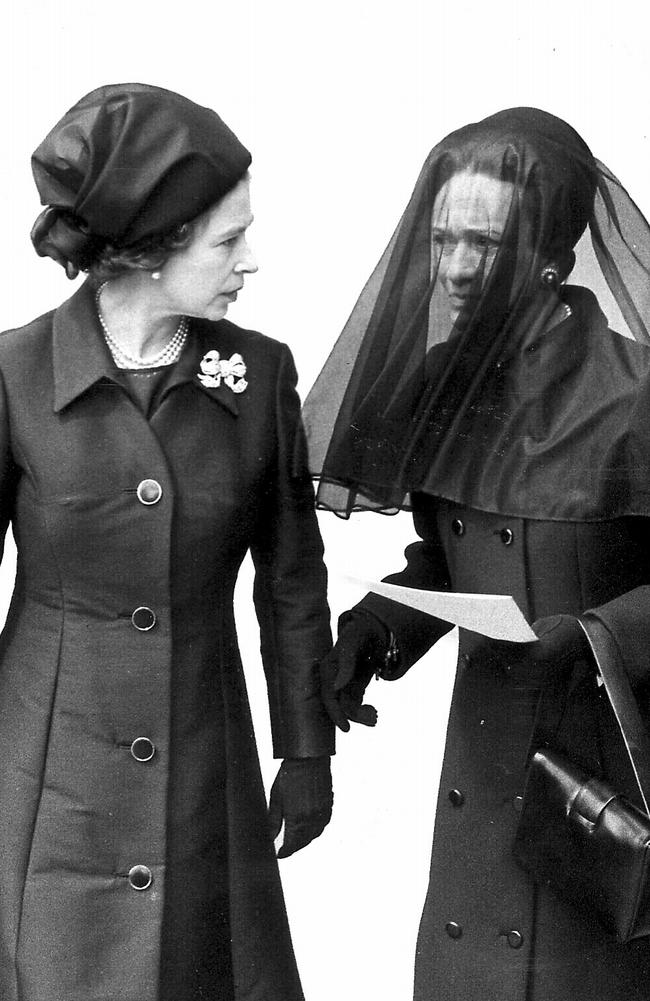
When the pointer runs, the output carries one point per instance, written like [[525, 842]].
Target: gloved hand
[[560, 638], [345, 672], [561, 641], [301, 798]]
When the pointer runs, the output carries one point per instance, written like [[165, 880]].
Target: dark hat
[[130, 161]]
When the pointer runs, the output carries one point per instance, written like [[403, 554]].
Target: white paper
[[495, 615]]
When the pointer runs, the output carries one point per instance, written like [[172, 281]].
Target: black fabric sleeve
[[290, 589]]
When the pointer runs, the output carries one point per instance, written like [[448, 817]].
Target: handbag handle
[[620, 694]]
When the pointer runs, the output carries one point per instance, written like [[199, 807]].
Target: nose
[[462, 264], [247, 265]]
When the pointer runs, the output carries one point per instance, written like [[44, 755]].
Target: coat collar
[[81, 358], [79, 354]]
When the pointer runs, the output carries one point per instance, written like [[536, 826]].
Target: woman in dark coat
[[146, 446], [478, 390]]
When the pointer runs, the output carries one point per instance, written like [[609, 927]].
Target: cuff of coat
[[311, 734], [414, 632]]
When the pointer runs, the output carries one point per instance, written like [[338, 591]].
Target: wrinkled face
[[470, 214], [203, 278]]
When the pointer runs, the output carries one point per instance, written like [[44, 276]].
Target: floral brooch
[[214, 368]]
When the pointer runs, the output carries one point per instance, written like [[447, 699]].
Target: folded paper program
[[495, 615]]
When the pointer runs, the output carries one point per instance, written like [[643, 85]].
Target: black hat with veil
[[505, 390]]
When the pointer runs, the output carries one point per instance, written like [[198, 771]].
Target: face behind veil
[[467, 369]]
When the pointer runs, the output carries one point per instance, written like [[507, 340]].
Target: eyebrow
[[235, 230]]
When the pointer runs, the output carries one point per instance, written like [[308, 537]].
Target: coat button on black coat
[[140, 877], [453, 929], [143, 618], [458, 526], [456, 797], [149, 491], [515, 939], [143, 749], [507, 536]]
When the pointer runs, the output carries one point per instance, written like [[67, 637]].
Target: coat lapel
[[201, 339]]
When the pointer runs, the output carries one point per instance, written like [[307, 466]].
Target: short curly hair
[[148, 254], [65, 237]]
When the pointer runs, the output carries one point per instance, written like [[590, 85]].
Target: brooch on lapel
[[214, 368]]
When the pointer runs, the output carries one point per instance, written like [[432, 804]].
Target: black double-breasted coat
[[136, 863], [487, 931]]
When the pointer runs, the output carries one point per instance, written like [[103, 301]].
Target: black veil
[[515, 398]]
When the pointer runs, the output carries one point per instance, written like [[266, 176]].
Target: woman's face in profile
[[470, 214], [204, 277]]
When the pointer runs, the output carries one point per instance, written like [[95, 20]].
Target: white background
[[339, 102]]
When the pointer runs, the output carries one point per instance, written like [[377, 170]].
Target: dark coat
[[81, 676], [487, 932]]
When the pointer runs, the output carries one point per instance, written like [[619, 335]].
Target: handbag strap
[[623, 702]]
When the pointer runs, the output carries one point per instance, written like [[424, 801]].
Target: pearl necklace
[[169, 353]]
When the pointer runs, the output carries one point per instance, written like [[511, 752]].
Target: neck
[[133, 312]]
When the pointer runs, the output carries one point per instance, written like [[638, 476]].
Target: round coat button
[[140, 877], [507, 536], [453, 929], [149, 491], [143, 618], [143, 749], [456, 797], [518, 802], [515, 939], [458, 526]]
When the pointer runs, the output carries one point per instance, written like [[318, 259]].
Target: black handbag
[[576, 833]]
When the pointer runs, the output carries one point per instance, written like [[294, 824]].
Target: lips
[[461, 300]]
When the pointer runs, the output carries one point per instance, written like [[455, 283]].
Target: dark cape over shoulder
[[547, 435], [551, 436]]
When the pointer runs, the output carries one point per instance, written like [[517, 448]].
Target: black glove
[[359, 653], [561, 641], [560, 638], [301, 798]]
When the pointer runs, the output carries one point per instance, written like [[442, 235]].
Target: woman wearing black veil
[[474, 387]]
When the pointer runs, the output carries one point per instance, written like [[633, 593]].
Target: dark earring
[[550, 277]]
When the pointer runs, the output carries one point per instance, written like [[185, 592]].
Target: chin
[[215, 312], [461, 315]]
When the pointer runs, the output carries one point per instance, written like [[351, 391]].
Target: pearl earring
[[550, 277], [155, 276]]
